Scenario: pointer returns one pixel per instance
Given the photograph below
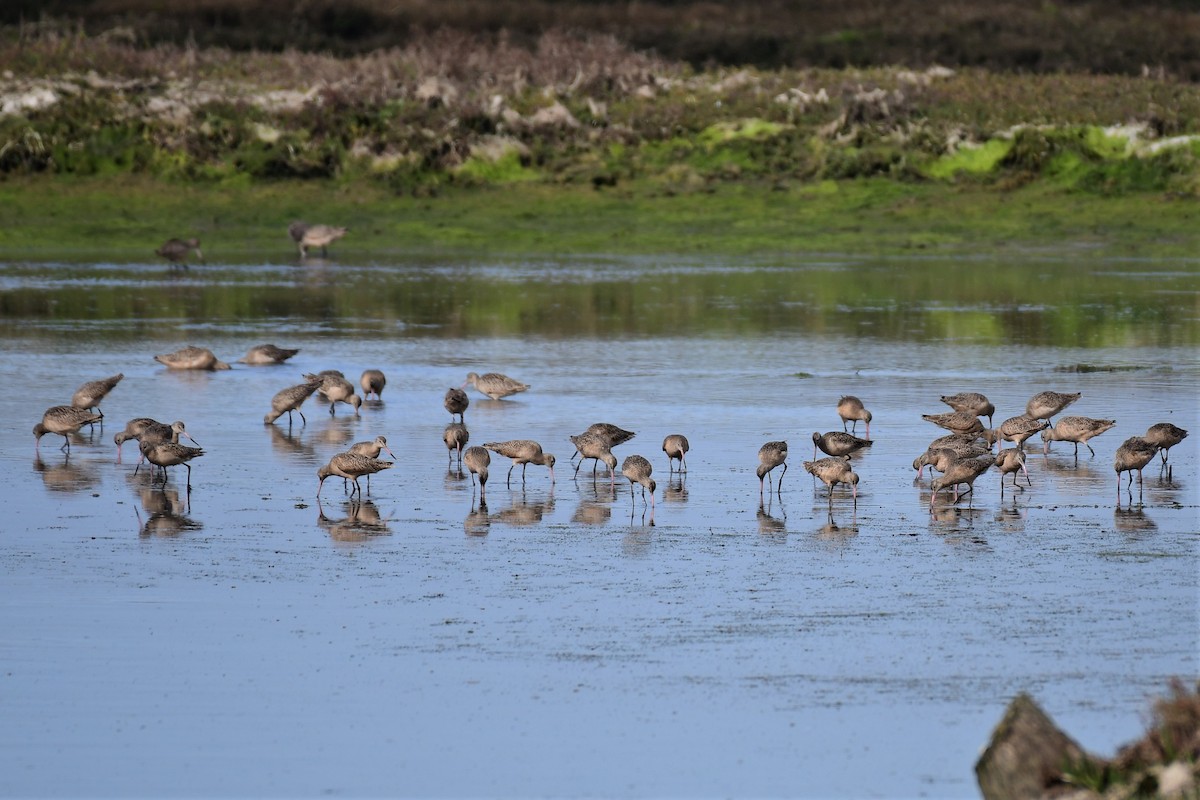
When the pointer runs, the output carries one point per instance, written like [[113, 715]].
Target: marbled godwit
[[1012, 459], [940, 458], [1077, 430], [91, 393], [598, 448], [371, 449], [351, 466], [960, 422], [176, 251], [838, 443], [289, 400], [267, 354], [971, 403], [523, 452], [1134, 453], [1045, 405], [477, 460], [494, 385], [1019, 428], [456, 437], [133, 430], [336, 390], [834, 470], [156, 433], [192, 357], [637, 469], [1164, 435], [372, 383], [306, 236], [170, 454], [63, 420], [851, 409], [614, 434], [456, 402], [959, 446], [676, 446], [960, 471], [770, 456]]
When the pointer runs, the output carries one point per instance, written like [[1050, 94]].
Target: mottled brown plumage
[[192, 357], [63, 420], [267, 354], [494, 384], [676, 446], [851, 409], [523, 452], [89, 395], [1076, 430]]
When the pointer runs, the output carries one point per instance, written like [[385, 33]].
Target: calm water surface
[[248, 639]]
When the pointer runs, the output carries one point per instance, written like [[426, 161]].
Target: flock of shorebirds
[[178, 251], [961, 456]]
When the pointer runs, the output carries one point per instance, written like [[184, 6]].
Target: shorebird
[[371, 449], [306, 236], [477, 460], [1011, 459], [63, 420], [676, 446], [523, 452], [851, 409], [372, 383], [351, 466], [456, 402], [1045, 405], [89, 395], [834, 470], [838, 443], [956, 445], [1077, 430], [289, 400], [1019, 428], [770, 456], [336, 390], [494, 385], [192, 357], [455, 436], [598, 448], [960, 471], [1134, 453], [267, 354], [960, 422], [170, 454], [133, 430], [971, 403], [152, 432], [1164, 435], [176, 251], [613, 433], [940, 458], [637, 469]]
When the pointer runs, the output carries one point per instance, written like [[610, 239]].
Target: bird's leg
[[302, 419], [189, 474], [508, 480], [331, 407]]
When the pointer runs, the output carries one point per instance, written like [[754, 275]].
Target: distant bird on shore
[[637, 469], [267, 354], [351, 466], [1164, 435], [192, 357], [89, 395], [961, 422], [372, 383], [676, 447], [971, 403], [494, 384], [1133, 454], [306, 236], [770, 456], [63, 420], [523, 452], [289, 400], [477, 460], [1077, 430], [851, 409], [456, 402], [835, 469], [838, 443], [1045, 405], [176, 251]]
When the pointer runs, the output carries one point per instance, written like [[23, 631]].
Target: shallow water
[[245, 638]]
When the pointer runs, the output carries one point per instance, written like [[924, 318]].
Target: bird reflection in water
[[361, 523], [772, 521], [523, 512], [1012, 518], [1133, 521], [339, 431], [65, 477], [834, 534], [166, 512], [291, 443], [595, 503], [477, 523], [676, 490]]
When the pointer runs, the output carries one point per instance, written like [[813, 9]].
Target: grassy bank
[[124, 217]]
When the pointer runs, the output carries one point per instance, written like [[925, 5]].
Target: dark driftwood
[[1026, 756]]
